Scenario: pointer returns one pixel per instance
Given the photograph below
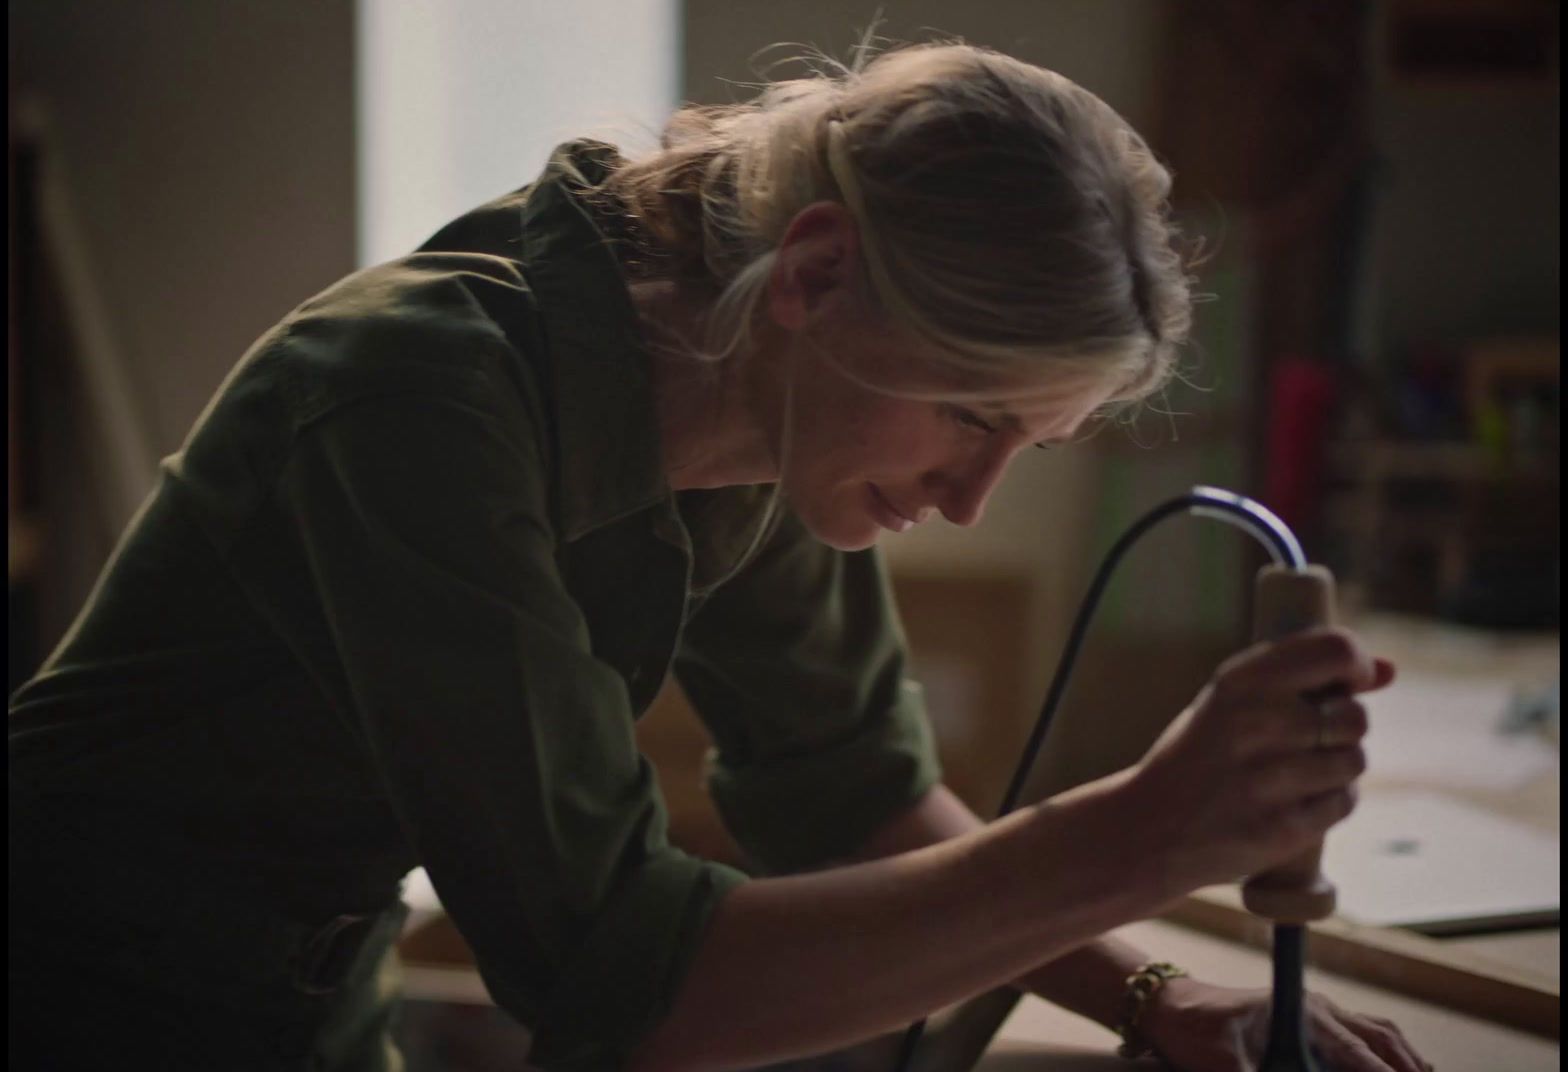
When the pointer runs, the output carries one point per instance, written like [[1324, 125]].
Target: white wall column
[[460, 101]]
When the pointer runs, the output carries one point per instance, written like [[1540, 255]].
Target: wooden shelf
[[24, 548], [1402, 460]]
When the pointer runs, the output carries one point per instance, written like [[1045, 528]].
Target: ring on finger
[[1336, 720], [1324, 710]]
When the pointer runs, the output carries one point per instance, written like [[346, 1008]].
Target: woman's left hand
[[1198, 1027]]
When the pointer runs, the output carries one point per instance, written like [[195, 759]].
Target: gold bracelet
[[1142, 985]]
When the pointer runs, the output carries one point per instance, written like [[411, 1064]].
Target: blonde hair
[[1006, 215]]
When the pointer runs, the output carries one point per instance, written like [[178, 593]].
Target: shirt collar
[[611, 455], [596, 368]]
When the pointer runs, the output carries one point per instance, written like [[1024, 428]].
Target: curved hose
[[1246, 514]]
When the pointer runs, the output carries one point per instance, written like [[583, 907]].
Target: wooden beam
[[1397, 960]]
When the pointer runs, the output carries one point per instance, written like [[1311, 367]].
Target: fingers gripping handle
[[1288, 601]]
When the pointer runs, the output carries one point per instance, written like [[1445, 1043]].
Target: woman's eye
[[965, 417]]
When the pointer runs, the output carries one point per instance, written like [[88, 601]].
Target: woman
[[445, 530]]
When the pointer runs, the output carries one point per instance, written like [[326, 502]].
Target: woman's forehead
[[1024, 379], [1040, 392]]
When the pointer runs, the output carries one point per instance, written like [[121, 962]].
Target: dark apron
[[121, 960]]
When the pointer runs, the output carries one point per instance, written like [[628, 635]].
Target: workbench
[[1044, 1037], [1432, 987]]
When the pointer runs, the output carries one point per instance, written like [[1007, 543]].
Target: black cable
[[1238, 510]]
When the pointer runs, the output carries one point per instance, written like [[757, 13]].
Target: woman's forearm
[[1089, 980], [802, 964]]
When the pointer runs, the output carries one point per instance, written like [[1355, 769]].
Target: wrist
[[1091, 980], [1174, 1001], [1147, 1001]]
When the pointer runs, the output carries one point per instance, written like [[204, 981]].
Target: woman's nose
[[962, 492]]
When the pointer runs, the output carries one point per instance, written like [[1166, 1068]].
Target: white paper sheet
[[1445, 732], [1415, 859]]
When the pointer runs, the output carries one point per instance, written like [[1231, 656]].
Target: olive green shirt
[[400, 596]]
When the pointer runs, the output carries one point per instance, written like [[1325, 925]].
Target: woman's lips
[[886, 514]]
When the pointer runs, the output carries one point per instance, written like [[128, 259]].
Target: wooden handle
[[1288, 601]]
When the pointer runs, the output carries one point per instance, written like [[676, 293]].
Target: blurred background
[[1375, 186]]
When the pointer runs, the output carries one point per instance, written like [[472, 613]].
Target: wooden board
[[1400, 961]]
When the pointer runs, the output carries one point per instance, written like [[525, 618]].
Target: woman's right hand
[[1252, 772]]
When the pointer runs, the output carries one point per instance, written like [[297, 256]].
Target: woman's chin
[[843, 534]]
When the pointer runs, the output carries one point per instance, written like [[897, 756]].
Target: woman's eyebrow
[[1010, 421], [1004, 417]]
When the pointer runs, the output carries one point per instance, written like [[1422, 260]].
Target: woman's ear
[[815, 265]]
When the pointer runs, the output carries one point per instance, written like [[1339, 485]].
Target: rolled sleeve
[[797, 812], [505, 747], [797, 668]]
